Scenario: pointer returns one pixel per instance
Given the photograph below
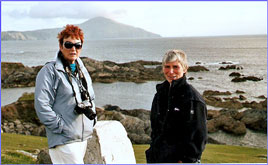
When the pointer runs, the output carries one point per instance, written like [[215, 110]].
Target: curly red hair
[[71, 31]]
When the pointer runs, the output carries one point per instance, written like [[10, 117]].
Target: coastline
[[225, 126]]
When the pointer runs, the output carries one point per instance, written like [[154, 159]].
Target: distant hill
[[96, 28]]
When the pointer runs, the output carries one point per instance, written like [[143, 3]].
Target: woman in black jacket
[[178, 116]]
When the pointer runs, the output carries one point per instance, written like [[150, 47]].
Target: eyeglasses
[[69, 45]]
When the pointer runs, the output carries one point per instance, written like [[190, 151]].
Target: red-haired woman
[[64, 100]]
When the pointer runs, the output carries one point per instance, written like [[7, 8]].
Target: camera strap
[[82, 84]]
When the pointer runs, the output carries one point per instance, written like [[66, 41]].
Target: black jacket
[[178, 121]]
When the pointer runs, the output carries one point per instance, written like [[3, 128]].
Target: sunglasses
[[69, 45]]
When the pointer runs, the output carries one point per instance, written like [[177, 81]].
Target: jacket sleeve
[[195, 138], [153, 119], [45, 93]]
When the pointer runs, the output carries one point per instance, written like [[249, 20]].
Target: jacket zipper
[[82, 138], [82, 127]]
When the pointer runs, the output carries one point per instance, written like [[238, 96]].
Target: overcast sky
[[169, 19]]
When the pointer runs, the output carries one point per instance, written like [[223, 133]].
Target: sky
[[169, 19]]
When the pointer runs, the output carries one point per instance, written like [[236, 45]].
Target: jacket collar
[[59, 65], [179, 82], [175, 84]]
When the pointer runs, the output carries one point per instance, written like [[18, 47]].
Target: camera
[[85, 107]]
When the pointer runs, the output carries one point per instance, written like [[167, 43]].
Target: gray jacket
[[55, 103]]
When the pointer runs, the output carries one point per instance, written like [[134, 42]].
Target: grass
[[218, 154], [212, 154], [12, 157], [12, 142]]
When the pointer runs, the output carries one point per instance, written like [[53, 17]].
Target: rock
[[136, 122], [230, 98], [262, 105], [239, 92], [139, 113], [241, 97], [255, 119], [115, 146], [108, 71], [235, 122], [191, 78], [43, 157], [39, 131], [136, 130], [109, 145], [211, 93], [243, 79], [228, 67], [197, 68], [17, 122], [226, 62], [213, 141], [262, 97], [212, 114], [93, 152], [211, 126], [227, 123], [109, 107], [235, 74], [230, 103], [23, 110], [18, 75]]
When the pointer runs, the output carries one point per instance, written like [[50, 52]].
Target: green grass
[[218, 154], [12, 157], [212, 154], [12, 142]]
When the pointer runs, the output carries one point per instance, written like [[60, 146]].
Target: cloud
[[18, 13], [164, 18], [70, 10]]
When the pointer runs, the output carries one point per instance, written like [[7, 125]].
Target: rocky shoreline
[[235, 115], [17, 75], [20, 117]]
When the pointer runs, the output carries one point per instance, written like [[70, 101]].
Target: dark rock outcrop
[[18, 75], [246, 78], [228, 67], [197, 68], [211, 98], [235, 74], [255, 119], [235, 122], [136, 122], [43, 157], [212, 93], [226, 62], [239, 92], [226, 122]]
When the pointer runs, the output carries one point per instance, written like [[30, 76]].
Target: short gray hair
[[176, 55]]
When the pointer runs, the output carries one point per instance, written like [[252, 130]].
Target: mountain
[[96, 28]]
